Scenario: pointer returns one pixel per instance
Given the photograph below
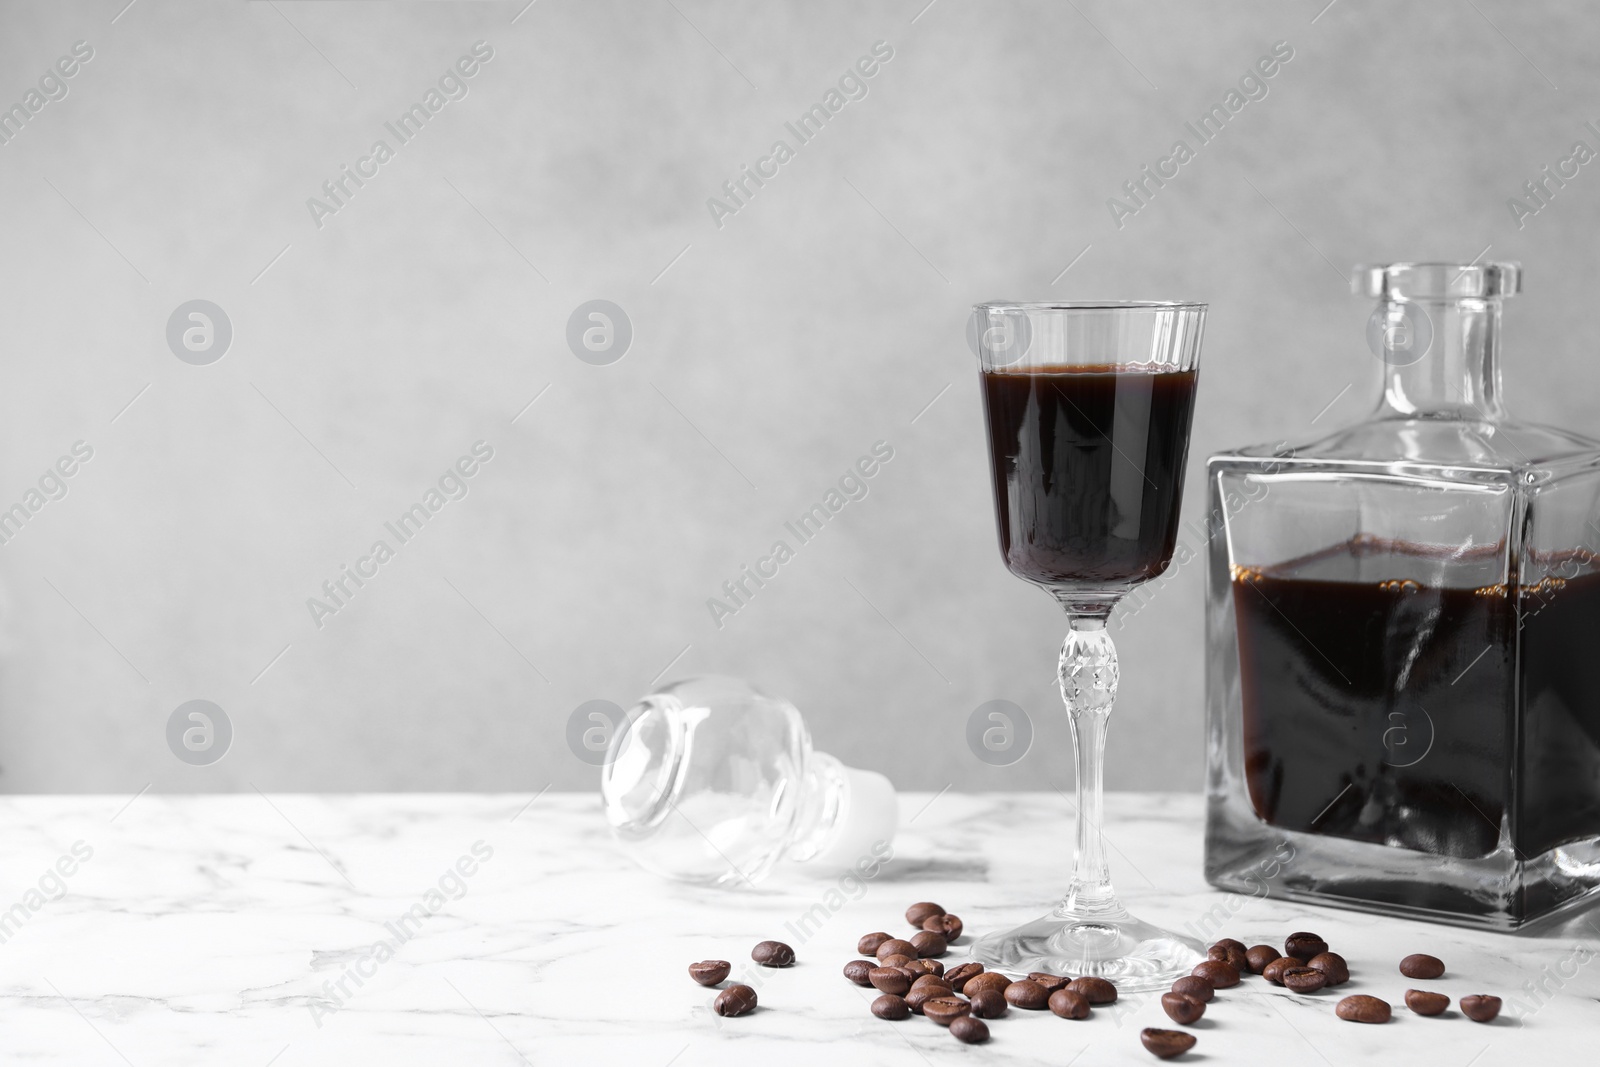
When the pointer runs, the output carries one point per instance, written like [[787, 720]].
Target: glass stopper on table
[[712, 781]]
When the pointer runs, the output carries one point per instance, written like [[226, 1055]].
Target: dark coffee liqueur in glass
[[1380, 705], [1088, 470], [1088, 408]]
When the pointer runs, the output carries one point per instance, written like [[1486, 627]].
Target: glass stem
[[1088, 676]]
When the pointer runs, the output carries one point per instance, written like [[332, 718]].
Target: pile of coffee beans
[[910, 980]]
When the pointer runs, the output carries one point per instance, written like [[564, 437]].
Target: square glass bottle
[[1403, 637]]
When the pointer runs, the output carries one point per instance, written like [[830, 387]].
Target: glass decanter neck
[[1458, 375], [1437, 330]]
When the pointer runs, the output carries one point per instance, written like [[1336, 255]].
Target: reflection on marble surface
[[292, 930]]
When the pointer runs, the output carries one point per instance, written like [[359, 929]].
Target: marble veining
[[427, 929]]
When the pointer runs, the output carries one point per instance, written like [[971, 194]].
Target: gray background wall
[[768, 353]]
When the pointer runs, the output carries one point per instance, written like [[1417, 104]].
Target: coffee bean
[[933, 967], [857, 971], [1192, 985], [868, 945], [895, 947], [929, 943], [1220, 975], [889, 980], [1303, 980], [1421, 965], [947, 926], [1095, 990], [709, 972], [918, 914], [898, 960], [988, 1004], [969, 1030], [1230, 952], [1302, 946], [772, 954], [890, 1006], [1332, 966], [1069, 1004], [1051, 982], [957, 976], [1258, 956], [945, 1010], [929, 981], [1274, 970], [1166, 1043], [1423, 1002], [915, 998], [987, 980], [1362, 1009], [735, 1000], [1182, 1009], [1480, 1007], [1026, 994]]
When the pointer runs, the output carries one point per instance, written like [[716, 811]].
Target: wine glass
[[1088, 409]]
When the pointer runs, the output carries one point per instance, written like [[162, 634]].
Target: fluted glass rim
[[1013, 306]]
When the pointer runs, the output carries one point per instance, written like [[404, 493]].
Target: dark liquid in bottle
[[1384, 705], [1088, 470]]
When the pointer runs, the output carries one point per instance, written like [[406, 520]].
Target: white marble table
[[219, 929]]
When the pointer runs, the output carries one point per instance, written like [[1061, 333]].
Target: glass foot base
[[1134, 955]]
